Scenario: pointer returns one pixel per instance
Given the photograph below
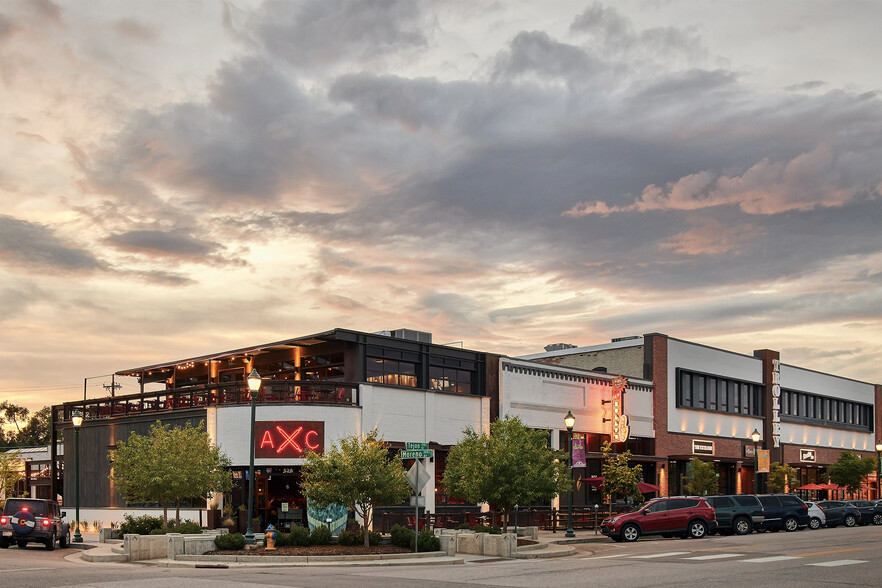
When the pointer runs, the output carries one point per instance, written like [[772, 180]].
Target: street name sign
[[416, 454], [410, 445]]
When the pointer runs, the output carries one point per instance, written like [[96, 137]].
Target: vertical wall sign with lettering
[[620, 427], [776, 403], [288, 439]]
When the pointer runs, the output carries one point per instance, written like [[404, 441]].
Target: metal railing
[[272, 391]]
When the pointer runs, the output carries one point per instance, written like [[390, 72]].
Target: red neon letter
[[306, 440], [289, 439], [267, 440]]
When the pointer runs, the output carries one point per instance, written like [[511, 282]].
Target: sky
[[180, 177]]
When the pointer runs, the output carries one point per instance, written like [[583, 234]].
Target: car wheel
[[630, 533], [21, 544], [742, 526], [64, 540], [849, 520], [791, 524], [50, 543], [815, 523], [877, 518], [697, 529]]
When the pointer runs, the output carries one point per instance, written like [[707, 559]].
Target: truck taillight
[[46, 522], [4, 520]]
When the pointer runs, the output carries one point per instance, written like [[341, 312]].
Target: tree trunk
[[165, 514], [177, 513]]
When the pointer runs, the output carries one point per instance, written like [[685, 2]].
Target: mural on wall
[[337, 513]]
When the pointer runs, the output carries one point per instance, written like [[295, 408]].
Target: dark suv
[[840, 512], [31, 520], [688, 516], [737, 513], [871, 512], [783, 511]]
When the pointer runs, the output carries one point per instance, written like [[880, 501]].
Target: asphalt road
[[827, 557]]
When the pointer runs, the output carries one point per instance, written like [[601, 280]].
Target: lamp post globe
[[77, 419], [254, 382], [878, 467], [570, 422], [755, 437]]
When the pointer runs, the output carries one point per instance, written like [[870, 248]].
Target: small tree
[[620, 478], [38, 430], [851, 470], [782, 477], [703, 479], [11, 472], [168, 466], [359, 473], [512, 465]]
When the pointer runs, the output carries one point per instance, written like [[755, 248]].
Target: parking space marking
[[652, 555], [607, 556], [770, 559], [717, 556], [841, 562], [836, 551]]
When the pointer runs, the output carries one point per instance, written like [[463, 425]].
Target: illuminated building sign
[[776, 403], [620, 426], [288, 439], [702, 447], [807, 455]]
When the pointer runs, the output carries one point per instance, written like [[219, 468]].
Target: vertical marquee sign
[[288, 439], [620, 426], [776, 403]]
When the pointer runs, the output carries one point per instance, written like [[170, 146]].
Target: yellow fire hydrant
[[270, 538]]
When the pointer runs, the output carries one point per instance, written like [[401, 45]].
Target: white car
[[818, 518]]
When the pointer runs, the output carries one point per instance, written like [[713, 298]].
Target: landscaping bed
[[318, 550]]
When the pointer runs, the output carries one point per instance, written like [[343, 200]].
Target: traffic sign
[[413, 446], [416, 454], [417, 476]]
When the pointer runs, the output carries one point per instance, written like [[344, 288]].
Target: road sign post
[[417, 451]]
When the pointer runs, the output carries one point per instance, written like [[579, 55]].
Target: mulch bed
[[319, 550]]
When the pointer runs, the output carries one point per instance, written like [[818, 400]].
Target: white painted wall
[[689, 356]]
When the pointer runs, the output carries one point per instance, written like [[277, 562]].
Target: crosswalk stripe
[[717, 556], [769, 559], [840, 562], [652, 555]]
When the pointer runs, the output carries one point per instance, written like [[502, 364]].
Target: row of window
[[405, 373], [822, 410], [718, 394]]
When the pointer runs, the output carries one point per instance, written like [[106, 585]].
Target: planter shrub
[[141, 525], [320, 536], [401, 536], [374, 538], [427, 541], [299, 536], [230, 541], [349, 538]]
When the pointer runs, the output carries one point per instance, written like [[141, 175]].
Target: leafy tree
[[782, 477], [702, 478], [359, 473], [38, 430], [168, 466], [11, 472], [620, 478], [512, 465], [13, 415], [851, 470]]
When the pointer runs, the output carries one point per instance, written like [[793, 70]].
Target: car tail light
[[46, 522], [805, 506], [3, 520], [25, 508], [819, 507]]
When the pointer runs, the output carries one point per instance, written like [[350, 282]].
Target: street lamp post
[[570, 421], [755, 437], [253, 387], [77, 420], [878, 464]]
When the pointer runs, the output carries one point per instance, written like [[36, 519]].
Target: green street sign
[[412, 446], [416, 454]]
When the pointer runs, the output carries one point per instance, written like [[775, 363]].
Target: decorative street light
[[570, 421], [253, 387], [77, 420], [878, 463], [755, 437]]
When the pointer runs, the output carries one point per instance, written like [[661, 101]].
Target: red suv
[[686, 516]]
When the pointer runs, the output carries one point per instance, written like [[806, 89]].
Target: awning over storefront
[[597, 482]]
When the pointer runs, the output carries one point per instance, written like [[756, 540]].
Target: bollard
[[270, 538], [595, 518]]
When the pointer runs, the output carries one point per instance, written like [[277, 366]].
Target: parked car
[[818, 518], [32, 520], [871, 512], [840, 512], [685, 516], [783, 511], [737, 513]]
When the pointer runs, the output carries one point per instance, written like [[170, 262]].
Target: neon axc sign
[[288, 439]]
